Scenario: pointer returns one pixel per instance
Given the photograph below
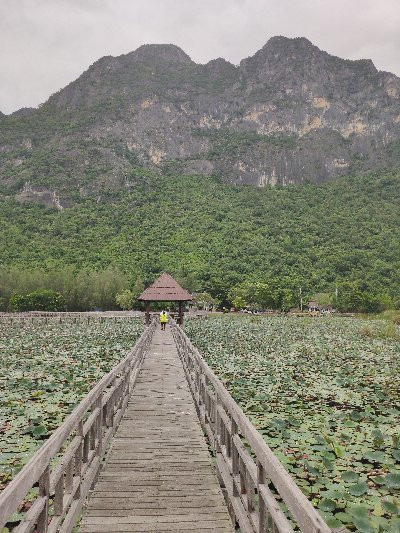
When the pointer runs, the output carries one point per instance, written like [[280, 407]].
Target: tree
[[261, 295], [125, 299], [39, 300], [286, 299], [186, 279], [204, 299], [323, 298], [358, 297], [239, 302], [138, 287], [350, 298]]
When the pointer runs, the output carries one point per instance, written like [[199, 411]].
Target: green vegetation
[[39, 300], [76, 290], [325, 397], [45, 371], [212, 237], [226, 143], [125, 300], [347, 297]]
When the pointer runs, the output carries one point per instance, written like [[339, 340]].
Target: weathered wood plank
[[167, 519], [216, 527]]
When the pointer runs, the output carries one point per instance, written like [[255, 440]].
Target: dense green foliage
[[46, 370], [39, 300], [324, 393], [226, 143], [348, 297], [214, 237], [79, 290]]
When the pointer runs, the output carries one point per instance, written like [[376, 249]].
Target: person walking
[[163, 320]]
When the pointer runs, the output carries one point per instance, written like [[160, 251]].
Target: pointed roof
[[165, 289]]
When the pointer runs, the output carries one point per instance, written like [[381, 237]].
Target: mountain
[[23, 111], [287, 115]]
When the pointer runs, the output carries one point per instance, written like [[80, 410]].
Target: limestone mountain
[[289, 114]]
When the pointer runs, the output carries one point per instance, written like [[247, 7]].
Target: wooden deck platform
[[158, 475]]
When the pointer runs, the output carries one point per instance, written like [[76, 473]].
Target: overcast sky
[[45, 44]]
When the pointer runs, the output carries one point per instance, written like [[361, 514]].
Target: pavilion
[[165, 289]]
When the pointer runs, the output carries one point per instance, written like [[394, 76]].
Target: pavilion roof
[[165, 289]]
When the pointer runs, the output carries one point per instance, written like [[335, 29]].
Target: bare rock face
[[289, 114], [43, 197]]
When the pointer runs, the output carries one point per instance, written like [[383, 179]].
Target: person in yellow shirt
[[163, 320]]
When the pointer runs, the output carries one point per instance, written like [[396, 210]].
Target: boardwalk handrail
[[85, 434], [61, 316], [236, 442]]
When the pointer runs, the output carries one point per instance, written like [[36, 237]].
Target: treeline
[[346, 297], [81, 290], [66, 289]]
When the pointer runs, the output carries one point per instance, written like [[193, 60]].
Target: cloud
[[45, 44]]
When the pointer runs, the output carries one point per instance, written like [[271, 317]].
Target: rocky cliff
[[289, 114]]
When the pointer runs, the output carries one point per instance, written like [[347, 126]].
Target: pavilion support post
[[180, 315], [147, 313]]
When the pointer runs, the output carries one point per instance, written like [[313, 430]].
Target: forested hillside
[[212, 236]]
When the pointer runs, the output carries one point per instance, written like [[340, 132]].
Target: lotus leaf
[[327, 505], [356, 416], [375, 457], [364, 525], [39, 431], [394, 525], [396, 455], [333, 522], [391, 507], [393, 481], [358, 489], [350, 476]]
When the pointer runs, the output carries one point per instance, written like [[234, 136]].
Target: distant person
[[163, 320]]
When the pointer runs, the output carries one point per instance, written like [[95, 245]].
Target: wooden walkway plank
[[158, 474]]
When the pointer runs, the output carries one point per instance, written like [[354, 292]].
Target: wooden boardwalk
[[158, 475]]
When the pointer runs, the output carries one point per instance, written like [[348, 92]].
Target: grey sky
[[45, 44]]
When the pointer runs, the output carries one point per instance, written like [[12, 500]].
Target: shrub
[[39, 300], [125, 299]]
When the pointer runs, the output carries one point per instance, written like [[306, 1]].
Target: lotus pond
[[324, 393], [45, 370]]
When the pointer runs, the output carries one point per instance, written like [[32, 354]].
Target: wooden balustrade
[[254, 479], [60, 317], [77, 448]]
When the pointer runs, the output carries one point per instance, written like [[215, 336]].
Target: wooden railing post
[[217, 425], [235, 458], [79, 458], [262, 511], [58, 501], [99, 424], [44, 491], [69, 476]]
